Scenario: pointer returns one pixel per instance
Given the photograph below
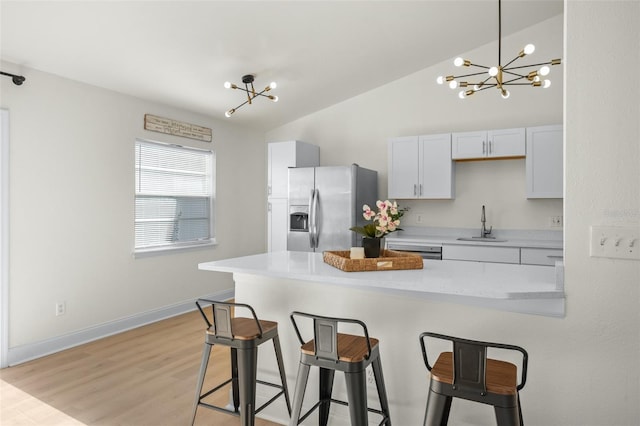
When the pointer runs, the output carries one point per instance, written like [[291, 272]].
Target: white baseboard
[[24, 353]]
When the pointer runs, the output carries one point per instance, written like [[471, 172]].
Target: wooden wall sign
[[176, 128]]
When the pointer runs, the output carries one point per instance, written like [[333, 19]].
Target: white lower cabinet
[[481, 253], [540, 256], [277, 216]]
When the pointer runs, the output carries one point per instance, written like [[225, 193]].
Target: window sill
[[158, 251]]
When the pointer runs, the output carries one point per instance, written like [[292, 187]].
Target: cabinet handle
[[484, 147], [415, 189], [268, 207], [269, 190], [490, 147], [420, 189]]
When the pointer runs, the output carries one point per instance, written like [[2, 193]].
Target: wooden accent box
[[388, 260]]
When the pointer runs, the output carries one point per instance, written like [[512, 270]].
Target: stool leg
[[298, 395], [382, 390], [206, 352], [357, 397], [520, 411], [234, 379], [283, 376], [247, 371], [507, 416], [326, 387], [438, 407]]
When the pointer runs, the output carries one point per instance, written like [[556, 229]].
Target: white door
[[506, 143], [469, 145], [4, 237]]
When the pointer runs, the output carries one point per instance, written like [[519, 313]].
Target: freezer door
[[335, 208], [301, 186]]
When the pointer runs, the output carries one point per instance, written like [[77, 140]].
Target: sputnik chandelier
[[251, 92], [502, 75]]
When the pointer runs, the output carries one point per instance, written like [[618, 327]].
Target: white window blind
[[174, 196]]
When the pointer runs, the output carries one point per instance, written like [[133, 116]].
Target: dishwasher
[[432, 252]]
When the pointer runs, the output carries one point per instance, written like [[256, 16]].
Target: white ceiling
[[319, 52]]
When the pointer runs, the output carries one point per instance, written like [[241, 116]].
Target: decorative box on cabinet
[[420, 167], [544, 163], [485, 144]]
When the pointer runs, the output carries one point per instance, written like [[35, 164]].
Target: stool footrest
[[337, 401], [225, 410]]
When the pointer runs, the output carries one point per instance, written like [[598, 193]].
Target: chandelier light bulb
[[458, 61], [544, 70], [462, 94], [228, 113], [493, 71], [273, 85], [227, 85], [440, 79], [505, 94], [274, 98], [536, 78], [546, 84], [529, 49], [453, 84]]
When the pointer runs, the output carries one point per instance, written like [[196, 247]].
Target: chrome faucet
[[483, 230]]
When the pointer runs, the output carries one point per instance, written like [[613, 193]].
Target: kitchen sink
[[482, 239]]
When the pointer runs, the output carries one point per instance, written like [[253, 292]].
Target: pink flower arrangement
[[384, 221]]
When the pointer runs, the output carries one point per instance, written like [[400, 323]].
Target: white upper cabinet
[[281, 156], [420, 167], [488, 144], [544, 162]]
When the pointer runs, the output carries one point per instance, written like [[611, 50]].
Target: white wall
[[357, 130], [72, 207], [584, 368]]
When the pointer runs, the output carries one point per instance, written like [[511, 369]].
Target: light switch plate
[[615, 242]]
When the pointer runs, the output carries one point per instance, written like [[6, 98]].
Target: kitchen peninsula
[[445, 296]]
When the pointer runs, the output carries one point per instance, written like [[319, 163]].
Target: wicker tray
[[388, 260]]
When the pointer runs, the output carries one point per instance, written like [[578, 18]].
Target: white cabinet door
[[544, 162], [506, 143], [481, 253], [277, 217], [469, 145], [281, 156], [420, 167], [436, 167], [403, 167], [488, 144], [540, 256]]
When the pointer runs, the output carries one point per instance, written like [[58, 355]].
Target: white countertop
[[436, 240], [439, 277]]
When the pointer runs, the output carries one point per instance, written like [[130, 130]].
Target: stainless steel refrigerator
[[324, 202]]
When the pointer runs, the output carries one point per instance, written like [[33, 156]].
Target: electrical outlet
[[61, 308], [371, 380], [419, 218], [555, 221]]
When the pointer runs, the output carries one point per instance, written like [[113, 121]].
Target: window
[[174, 196]]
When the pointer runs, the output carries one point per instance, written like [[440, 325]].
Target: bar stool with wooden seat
[[243, 336], [351, 354], [467, 373]]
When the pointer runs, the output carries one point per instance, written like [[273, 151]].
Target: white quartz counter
[[436, 240], [519, 288]]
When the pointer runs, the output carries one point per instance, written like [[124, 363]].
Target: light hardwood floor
[[145, 376]]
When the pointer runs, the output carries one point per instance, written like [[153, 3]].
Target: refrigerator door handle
[[312, 219]]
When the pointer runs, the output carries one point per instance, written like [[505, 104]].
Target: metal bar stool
[[351, 354], [467, 373], [243, 336]]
